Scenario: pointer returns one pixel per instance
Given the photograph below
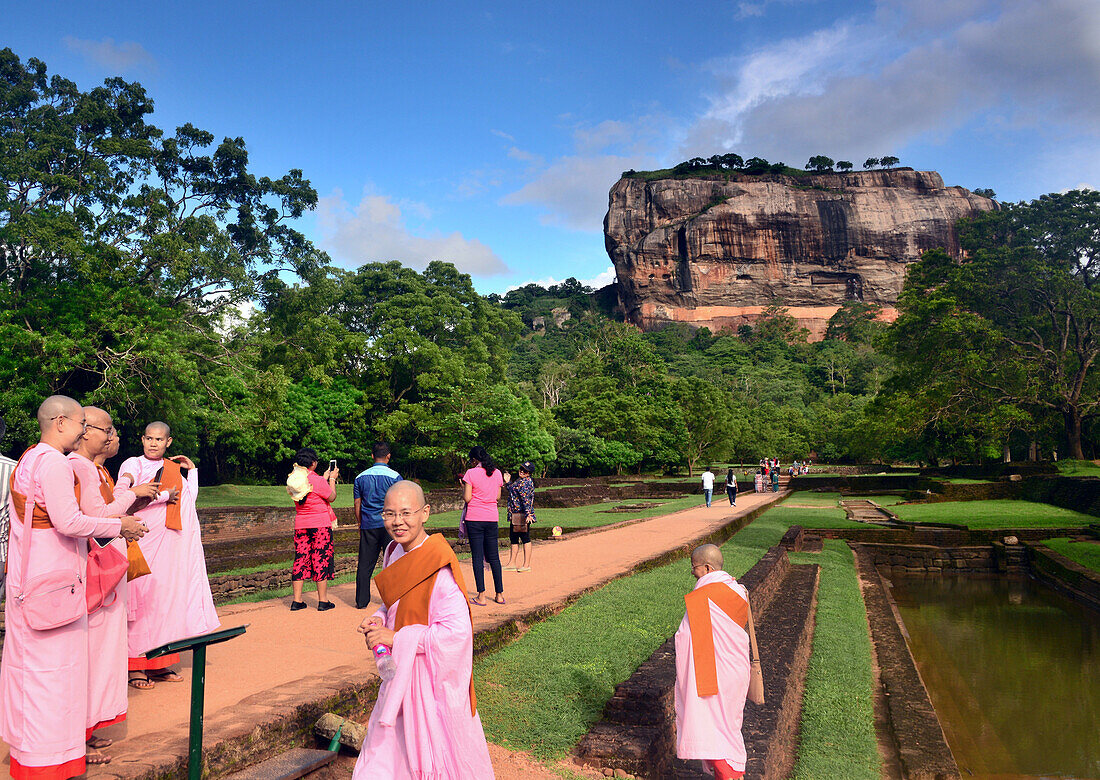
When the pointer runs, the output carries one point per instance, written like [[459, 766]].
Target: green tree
[[820, 162], [843, 165], [889, 162], [870, 162]]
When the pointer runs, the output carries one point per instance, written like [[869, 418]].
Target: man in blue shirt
[[370, 494]]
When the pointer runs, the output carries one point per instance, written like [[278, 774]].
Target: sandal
[[478, 601], [98, 743], [94, 758], [500, 599], [141, 681], [164, 675]]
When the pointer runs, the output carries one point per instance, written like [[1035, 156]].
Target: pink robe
[[709, 727], [421, 726], [107, 625], [44, 674], [174, 601]]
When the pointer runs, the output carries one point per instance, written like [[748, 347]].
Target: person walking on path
[[708, 485], [369, 494], [521, 513], [731, 486], [481, 486], [712, 668], [314, 554], [775, 479], [425, 722]]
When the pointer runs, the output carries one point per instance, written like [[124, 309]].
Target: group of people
[[100, 571], [708, 486]]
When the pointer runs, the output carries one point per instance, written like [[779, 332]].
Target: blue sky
[[489, 134]]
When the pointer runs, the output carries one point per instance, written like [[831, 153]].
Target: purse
[[138, 566], [106, 568], [53, 599], [756, 674], [519, 522]]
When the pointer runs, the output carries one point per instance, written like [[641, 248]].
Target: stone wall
[[922, 559], [1064, 575]]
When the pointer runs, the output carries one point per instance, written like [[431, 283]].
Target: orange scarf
[[702, 634], [411, 578], [171, 478], [39, 517]]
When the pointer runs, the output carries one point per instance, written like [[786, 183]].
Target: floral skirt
[[314, 557]]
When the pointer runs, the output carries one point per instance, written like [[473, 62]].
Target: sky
[[489, 134]]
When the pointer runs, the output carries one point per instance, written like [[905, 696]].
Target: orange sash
[[411, 578], [702, 634], [39, 518], [171, 478]]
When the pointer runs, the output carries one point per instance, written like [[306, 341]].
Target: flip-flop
[[142, 683], [164, 675], [98, 743], [97, 759], [479, 603], [500, 600], [510, 568]]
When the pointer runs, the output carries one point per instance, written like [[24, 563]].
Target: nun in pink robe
[[44, 674], [709, 727], [421, 727], [106, 626], [174, 601]]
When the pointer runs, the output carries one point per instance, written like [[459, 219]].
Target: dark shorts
[[313, 555], [519, 537]]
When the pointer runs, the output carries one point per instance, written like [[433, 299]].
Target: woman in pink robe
[[44, 674]]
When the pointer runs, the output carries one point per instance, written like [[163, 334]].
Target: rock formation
[[717, 250]]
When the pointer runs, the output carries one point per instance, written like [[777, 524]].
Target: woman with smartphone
[[314, 555]]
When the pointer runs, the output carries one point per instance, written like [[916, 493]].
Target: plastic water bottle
[[383, 659]]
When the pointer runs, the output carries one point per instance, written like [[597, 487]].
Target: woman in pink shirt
[[481, 486], [314, 556]]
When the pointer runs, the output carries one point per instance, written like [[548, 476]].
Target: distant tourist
[[712, 668], [425, 722], [731, 486], [775, 479], [521, 513], [369, 493], [708, 485], [314, 554], [758, 480], [481, 486]]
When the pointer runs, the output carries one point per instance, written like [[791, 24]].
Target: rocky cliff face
[[708, 251]]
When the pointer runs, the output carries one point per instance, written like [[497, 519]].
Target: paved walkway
[[289, 659]]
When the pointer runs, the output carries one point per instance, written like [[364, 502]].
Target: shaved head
[[708, 554], [97, 416], [156, 427], [406, 488], [54, 407], [98, 433]]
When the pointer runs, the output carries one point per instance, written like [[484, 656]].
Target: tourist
[[712, 668], [314, 552], [106, 625], [775, 479], [173, 602], [369, 493], [731, 486], [481, 486], [425, 721], [708, 485], [758, 480], [7, 465], [44, 671], [521, 513]]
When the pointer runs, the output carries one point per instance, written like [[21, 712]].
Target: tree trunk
[[1033, 451], [1007, 453], [1073, 434]]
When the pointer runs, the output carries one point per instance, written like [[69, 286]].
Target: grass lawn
[[881, 500], [821, 517], [813, 498], [838, 731], [1000, 513], [589, 516], [544, 691], [259, 495], [966, 481], [1085, 553], [1078, 468]]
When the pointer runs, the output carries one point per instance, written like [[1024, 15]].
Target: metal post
[[198, 695]]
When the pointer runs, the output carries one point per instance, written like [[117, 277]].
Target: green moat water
[[1013, 669]]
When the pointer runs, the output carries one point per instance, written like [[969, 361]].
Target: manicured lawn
[[821, 517], [1085, 553], [813, 498], [589, 516], [1000, 513], [260, 495], [1078, 468], [965, 481], [544, 691], [881, 500], [838, 731]]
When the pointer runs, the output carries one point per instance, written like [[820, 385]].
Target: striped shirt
[[7, 466]]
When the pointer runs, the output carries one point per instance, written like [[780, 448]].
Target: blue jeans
[[732, 493], [708, 494], [483, 547]]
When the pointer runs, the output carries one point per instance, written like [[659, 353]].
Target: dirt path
[[288, 659]]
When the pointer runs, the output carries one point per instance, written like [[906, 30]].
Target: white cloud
[[118, 57], [596, 282], [375, 230]]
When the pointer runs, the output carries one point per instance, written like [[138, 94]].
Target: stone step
[[294, 763]]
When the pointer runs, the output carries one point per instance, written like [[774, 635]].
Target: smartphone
[[332, 465]]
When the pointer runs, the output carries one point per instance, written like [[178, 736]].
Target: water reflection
[[1013, 670]]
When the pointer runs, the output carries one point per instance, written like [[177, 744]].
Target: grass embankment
[[812, 510], [259, 495], [544, 691], [1086, 554], [837, 738], [590, 516], [1079, 468], [998, 513]]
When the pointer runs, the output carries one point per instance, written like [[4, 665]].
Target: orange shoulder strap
[[702, 633], [171, 478], [39, 518]]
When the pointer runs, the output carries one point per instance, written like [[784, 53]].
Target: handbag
[[519, 522], [53, 599], [106, 568], [138, 566], [756, 674]]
